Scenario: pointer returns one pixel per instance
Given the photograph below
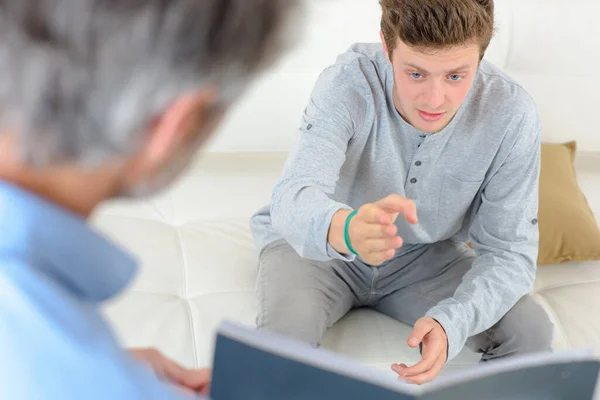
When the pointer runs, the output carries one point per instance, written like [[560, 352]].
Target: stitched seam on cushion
[[260, 288], [564, 285], [184, 298]]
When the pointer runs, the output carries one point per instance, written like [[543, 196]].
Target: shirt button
[[308, 127], [423, 136], [418, 163], [413, 180], [534, 221]]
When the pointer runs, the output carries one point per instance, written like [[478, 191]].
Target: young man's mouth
[[429, 116]]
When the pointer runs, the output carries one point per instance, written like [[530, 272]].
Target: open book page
[[306, 372], [560, 375], [253, 365]]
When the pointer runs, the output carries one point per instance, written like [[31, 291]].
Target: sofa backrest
[[551, 47]]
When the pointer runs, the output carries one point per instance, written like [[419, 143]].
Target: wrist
[[335, 236], [445, 336], [347, 233]]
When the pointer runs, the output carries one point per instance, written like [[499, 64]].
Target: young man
[[100, 99], [406, 151]]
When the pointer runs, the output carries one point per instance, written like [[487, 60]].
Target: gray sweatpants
[[301, 298]]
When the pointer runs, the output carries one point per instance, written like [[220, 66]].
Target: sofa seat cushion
[[199, 265]]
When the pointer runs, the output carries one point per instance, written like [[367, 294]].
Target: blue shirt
[[55, 272]]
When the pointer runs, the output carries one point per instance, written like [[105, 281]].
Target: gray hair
[[81, 80]]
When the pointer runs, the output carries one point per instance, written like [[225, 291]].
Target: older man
[[101, 99]]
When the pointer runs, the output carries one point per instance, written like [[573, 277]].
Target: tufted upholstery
[[198, 262]]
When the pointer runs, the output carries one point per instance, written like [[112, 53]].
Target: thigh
[[434, 276], [301, 298]]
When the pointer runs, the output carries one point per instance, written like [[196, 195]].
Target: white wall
[[553, 51]]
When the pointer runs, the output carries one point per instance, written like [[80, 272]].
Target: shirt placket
[[415, 171]]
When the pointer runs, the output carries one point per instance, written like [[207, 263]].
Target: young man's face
[[430, 87]]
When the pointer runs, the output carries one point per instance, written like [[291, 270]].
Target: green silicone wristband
[[346, 235]]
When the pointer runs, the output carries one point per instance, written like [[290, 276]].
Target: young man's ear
[[385, 47]]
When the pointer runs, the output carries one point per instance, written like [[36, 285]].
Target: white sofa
[[198, 261]]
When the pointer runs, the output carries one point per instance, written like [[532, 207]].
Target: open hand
[[372, 231], [428, 332], [197, 381]]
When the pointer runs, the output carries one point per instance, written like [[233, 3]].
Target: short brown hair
[[437, 24]]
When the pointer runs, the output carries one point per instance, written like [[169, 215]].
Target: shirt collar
[[62, 245]]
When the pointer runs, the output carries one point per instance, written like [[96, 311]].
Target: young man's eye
[[454, 77], [416, 75]]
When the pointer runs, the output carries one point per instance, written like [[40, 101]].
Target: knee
[[526, 328], [538, 334], [294, 318]]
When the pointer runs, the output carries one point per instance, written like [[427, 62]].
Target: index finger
[[429, 375], [431, 353], [197, 380], [374, 214], [398, 204], [174, 371], [189, 378]]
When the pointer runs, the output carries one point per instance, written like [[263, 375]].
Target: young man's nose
[[435, 98]]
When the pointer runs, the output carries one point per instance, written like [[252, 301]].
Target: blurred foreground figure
[[101, 99]]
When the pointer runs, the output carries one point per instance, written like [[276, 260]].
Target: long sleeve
[[504, 235], [301, 207]]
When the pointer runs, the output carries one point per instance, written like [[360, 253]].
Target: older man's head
[[124, 91]]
